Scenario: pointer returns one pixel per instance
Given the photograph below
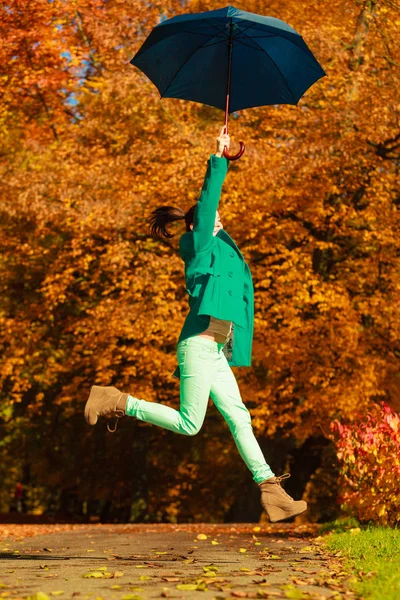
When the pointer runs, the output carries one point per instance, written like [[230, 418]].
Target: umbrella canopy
[[205, 57]]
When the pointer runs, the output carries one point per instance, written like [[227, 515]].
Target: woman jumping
[[217, 333]]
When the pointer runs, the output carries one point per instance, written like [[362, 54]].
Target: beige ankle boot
[[105, 401], [276, 502]]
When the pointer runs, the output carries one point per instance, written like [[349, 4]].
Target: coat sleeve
[[207, 205]]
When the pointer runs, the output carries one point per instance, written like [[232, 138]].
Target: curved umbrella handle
[[235, 156]]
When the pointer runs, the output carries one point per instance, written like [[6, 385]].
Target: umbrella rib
[[272, 60], [245, 29], [254, 26], [215, 27], [182, 65]]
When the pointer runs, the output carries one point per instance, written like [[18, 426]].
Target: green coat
[[218, 280]]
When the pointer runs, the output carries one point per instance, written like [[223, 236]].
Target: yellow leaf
[[355, 530], [186, 586], [201, 536]]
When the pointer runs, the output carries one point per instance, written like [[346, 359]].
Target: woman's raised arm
[[207, 205]]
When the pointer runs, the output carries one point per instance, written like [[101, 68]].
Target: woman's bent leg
[[197, 370], [226, 397]]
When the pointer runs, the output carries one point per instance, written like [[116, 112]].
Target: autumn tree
[[88, 149]]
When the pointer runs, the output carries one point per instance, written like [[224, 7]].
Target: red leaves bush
[[369, 452]]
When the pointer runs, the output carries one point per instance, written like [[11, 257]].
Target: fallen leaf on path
[[299, 581], [201, 536], [292, 592], [211, 568], [186, 586], [135, 588], [202, 586], [302, 570]]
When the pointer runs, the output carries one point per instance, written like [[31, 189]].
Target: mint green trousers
[[205, 372]]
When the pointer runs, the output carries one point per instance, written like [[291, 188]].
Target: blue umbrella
[[230, 59]]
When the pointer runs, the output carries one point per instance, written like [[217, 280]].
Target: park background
[[87, 151]]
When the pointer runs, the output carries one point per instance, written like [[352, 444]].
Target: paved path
[[133, 562]]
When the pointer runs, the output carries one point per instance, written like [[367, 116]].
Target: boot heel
[[275, 513]]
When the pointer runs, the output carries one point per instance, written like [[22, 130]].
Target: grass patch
[[372, 554]]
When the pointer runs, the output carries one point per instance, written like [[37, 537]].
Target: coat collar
[[224, 236]]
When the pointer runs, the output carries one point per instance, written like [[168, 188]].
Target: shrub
[[369, 454]]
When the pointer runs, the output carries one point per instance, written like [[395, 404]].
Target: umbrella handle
[[235, 156]]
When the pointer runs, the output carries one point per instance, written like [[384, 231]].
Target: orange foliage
[[88, 149]]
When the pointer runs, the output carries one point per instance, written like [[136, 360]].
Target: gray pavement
[[134, 562]]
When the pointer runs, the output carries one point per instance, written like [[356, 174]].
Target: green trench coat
[[218, 279]]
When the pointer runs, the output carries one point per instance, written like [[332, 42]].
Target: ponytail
[[160, 217]]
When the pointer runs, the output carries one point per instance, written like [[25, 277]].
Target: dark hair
[[160, 217]]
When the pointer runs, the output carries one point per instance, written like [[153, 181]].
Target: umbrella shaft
[[228, 85]]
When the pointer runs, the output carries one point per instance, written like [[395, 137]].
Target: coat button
[[230, 273], [232, 253], [230, 292]]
